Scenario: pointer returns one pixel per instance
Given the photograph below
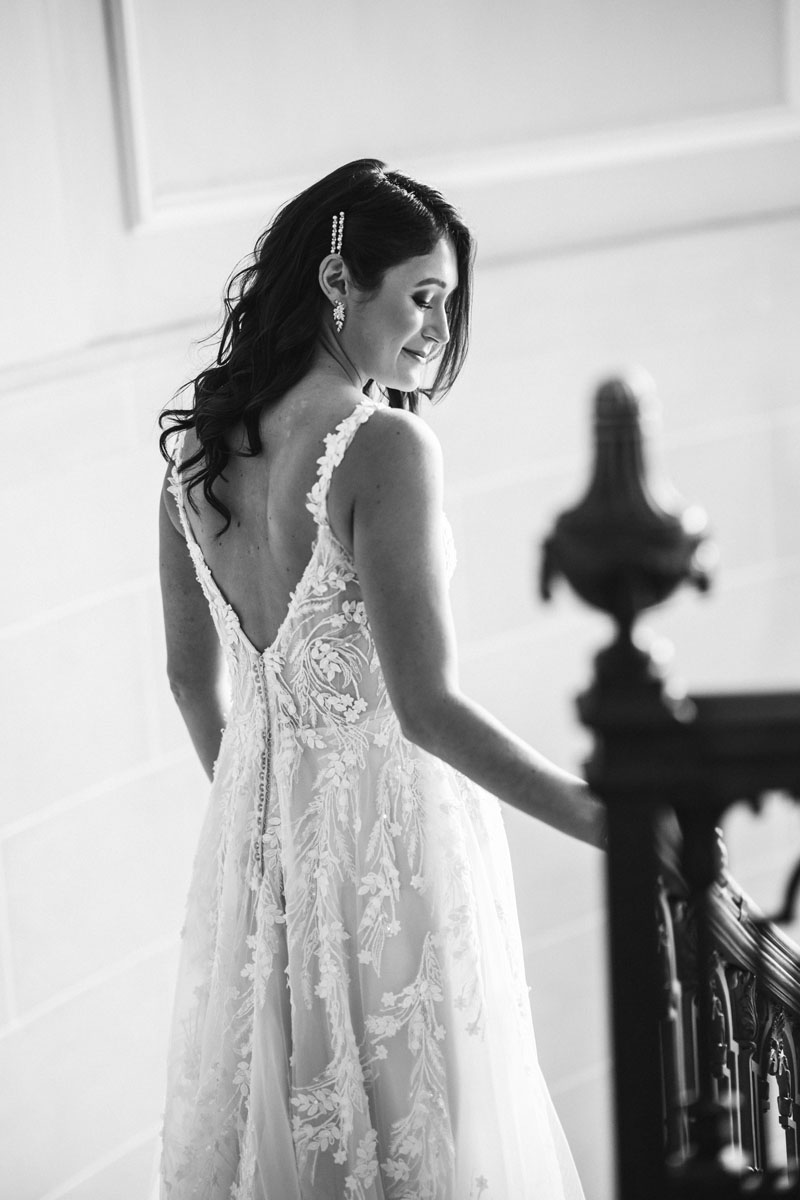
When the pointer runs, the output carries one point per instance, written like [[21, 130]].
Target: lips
[[417, 355]]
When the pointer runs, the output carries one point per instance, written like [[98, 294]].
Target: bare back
[[259, 560]]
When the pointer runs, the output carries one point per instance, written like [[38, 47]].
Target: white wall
[[633, 172]]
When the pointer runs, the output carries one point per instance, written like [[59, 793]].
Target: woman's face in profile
[[392, 333]]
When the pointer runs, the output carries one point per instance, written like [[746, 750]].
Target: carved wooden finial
[[630, 542]]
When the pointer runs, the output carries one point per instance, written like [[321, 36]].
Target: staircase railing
[[705, 990], [755, 1026]]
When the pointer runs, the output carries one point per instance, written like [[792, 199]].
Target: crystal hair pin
[[337, 231]]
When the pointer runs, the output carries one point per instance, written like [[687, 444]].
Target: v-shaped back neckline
[[316, 500]]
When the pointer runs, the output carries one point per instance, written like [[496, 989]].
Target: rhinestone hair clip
[[337, 232]]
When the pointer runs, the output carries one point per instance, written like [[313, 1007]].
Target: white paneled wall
[[100, 797], [633, 172]]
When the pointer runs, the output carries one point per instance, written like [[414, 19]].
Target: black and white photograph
[[400, 629]]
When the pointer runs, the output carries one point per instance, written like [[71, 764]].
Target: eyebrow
[[439, 283]]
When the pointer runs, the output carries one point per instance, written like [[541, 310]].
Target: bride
[[351, 1018]]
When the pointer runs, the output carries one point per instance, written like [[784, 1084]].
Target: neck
[[331, 358]]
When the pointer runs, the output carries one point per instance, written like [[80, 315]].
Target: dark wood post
[[667, 766], [622, 551]]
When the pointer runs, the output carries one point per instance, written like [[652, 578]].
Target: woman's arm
[[393, 472], [194, 659]]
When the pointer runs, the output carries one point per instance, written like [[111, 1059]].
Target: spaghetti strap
[[335, 445], [175, 487]]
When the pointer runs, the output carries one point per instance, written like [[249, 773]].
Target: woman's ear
[[334, 278]]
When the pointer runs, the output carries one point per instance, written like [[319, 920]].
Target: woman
[[352, 1018]]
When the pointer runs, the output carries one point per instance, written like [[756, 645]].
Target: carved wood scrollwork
[[720, 1034], [745, 1017], [779, 1065], [753, 1033]]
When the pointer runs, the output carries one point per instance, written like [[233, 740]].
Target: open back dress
[[351, 1020]]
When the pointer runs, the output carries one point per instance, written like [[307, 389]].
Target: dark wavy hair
[[274, 307]]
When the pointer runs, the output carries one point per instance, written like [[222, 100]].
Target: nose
[[438, 329]]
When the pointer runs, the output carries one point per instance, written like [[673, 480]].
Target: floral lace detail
[[420, 1155], [335, 445], [351, 956]]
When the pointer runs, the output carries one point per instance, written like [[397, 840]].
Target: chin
[[401, 373], [409, 378], [407, 381]]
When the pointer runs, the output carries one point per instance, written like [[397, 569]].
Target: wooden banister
[[705, 990]]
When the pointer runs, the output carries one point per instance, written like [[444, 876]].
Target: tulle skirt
[[351, 1018]]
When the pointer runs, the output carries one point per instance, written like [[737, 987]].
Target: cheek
[[389, 329], [405, 323]]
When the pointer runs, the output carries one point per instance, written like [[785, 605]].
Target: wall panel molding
[[121, 355], [536, 197], [126, 77]]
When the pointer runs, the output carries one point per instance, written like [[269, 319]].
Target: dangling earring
[[338, 315]]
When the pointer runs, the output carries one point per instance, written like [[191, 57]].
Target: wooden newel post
[[622, 551], [667, 766]]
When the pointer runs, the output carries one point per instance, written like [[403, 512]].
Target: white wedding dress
[[351, 1019]]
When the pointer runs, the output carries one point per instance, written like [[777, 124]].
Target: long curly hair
[[274, 308]]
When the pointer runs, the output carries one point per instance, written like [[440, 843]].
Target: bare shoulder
[[393, 443], [394, 459]]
